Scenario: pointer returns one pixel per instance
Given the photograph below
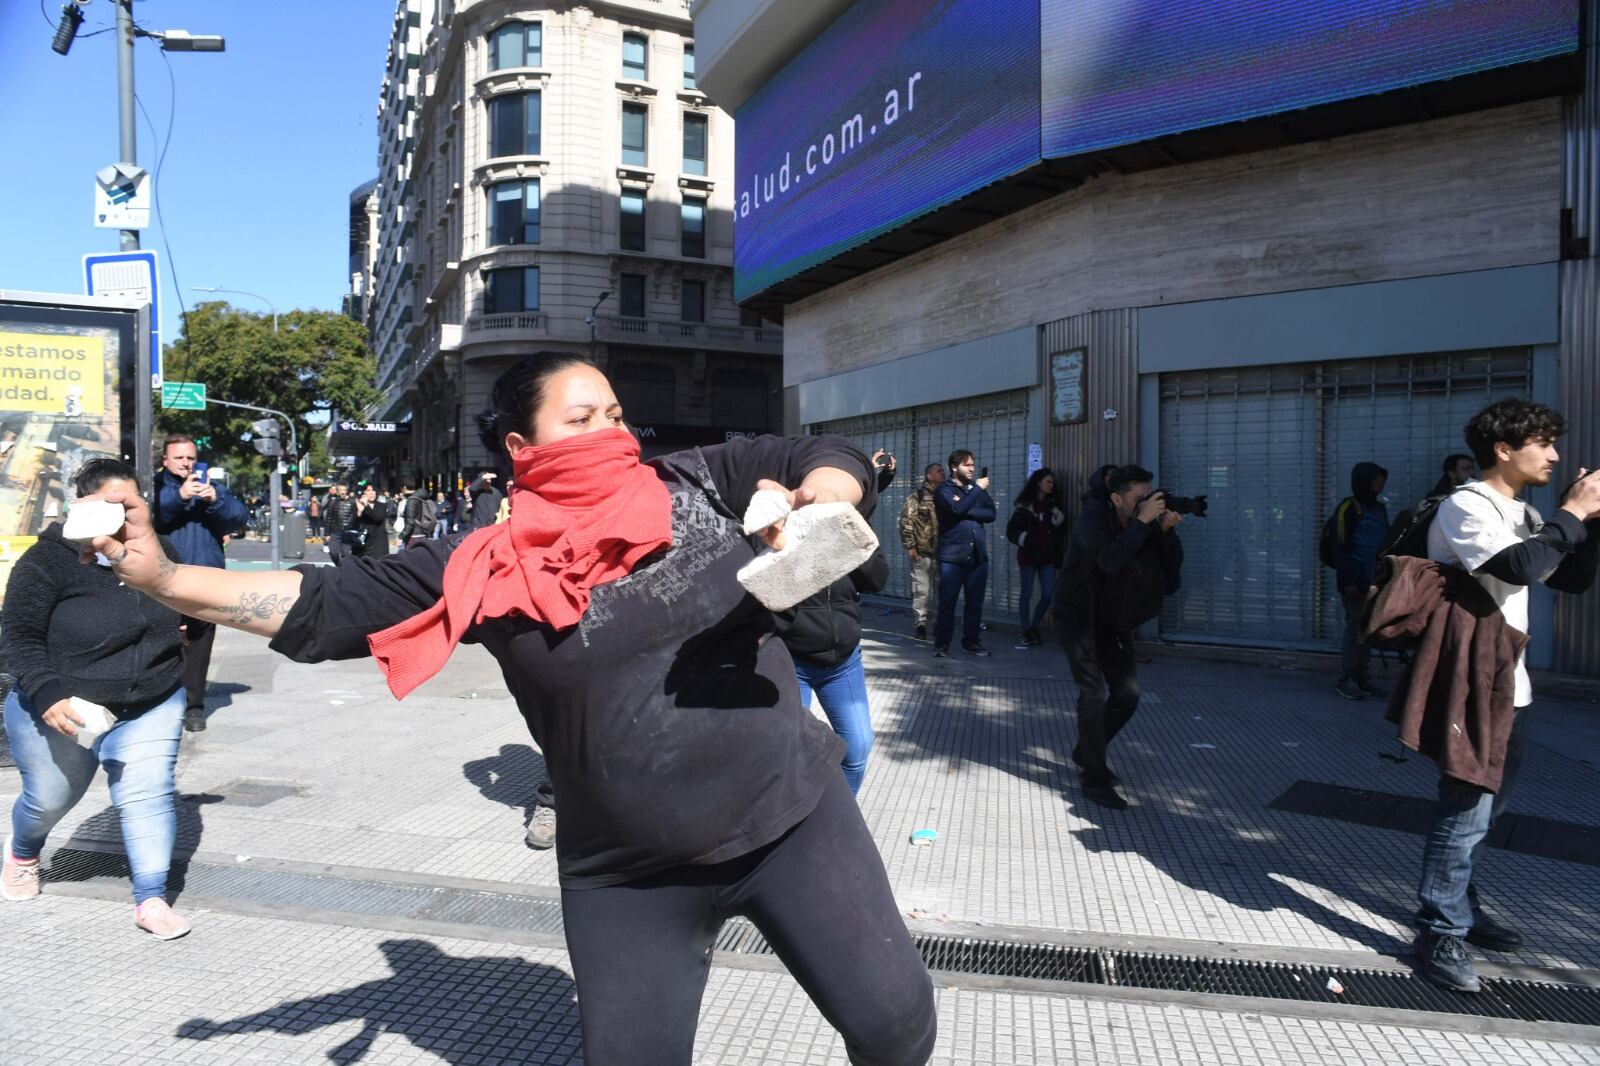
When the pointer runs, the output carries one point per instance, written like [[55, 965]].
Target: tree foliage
[[316, 360]]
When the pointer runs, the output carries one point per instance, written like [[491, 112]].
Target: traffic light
[[267, 440]]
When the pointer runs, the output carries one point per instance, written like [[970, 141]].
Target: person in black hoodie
[[1122, 558], [77, 633]]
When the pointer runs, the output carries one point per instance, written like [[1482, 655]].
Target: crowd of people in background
[[1460, 561]]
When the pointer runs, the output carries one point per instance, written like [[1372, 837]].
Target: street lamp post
[[242, 292], [591, 321], [170, 41]]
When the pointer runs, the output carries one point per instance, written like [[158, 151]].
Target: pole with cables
[[128, 149]]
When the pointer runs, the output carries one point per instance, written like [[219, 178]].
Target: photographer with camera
[[1122, 558]]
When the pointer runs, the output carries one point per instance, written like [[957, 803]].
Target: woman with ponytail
[[694, 787]]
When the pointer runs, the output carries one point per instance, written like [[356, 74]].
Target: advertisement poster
[[66, 396]]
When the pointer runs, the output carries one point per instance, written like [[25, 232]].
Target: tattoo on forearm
[[252, 607]]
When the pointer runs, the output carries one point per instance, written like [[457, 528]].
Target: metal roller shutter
[[1273, 448], [993, 427]]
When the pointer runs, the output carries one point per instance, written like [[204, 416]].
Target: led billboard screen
[[1117, 72], [898, 108]]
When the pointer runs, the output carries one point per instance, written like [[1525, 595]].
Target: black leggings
[[641, 951]]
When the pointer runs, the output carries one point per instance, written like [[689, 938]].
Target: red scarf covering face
[[584, 511]]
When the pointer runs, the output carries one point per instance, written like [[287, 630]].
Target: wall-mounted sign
[[1066, 387]]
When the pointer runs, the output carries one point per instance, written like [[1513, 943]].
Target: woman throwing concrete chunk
[[693, 786]]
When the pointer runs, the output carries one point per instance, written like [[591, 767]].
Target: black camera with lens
[[1195, 505]]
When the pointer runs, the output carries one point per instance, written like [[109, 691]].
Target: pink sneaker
[[18, 880], [158, 919]]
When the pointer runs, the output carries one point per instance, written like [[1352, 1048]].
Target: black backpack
[[1408, 534]]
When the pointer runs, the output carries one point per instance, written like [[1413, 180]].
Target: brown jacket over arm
[[1456, 701]]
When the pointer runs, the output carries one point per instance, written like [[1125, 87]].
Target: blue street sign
[[130, 274]]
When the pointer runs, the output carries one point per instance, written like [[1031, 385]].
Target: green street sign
[[183, 395]]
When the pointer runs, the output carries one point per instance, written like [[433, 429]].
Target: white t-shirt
[[1473, 526]]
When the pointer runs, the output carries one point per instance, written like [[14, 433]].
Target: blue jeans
[[961, 579], [1462, 820], [140, 756], [1046, 576], [842, 690]]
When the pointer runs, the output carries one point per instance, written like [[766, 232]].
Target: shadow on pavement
[[1007, 713], [219, 694], [105, 827], [464, 1009], [512, 777]]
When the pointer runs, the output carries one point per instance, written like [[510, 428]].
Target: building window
[[635, 136], [514, 212], [694, 144], [749, 316], [694, 301], [739, 398], [516, 44], [646, 392], [688, 65], [630, 295], [632, 220], [513, 289], [635, 61], [514, 124], [694, 230]]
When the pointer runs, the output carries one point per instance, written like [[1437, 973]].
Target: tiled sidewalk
[[976, 749], [81, 986]]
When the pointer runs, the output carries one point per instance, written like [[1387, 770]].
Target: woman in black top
[[75, 632], [694, 786], [1037, 527], [372, 518]]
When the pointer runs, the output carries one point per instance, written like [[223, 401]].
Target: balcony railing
[[518, 320], [688, 334]]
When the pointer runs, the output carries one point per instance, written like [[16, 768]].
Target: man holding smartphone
[[196, 514], [963, 507], [1487, 530]]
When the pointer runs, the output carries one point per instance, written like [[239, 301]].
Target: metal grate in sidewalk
[[1501, 998]]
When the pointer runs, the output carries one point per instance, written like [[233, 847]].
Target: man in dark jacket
[[196, 514], [1122, 558], [1486, 530], [417, 514], [963, 507], [1360, 524], [339, 515], [485, 499]]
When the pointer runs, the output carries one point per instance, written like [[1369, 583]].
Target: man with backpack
[[417, 515], [1351, 538]]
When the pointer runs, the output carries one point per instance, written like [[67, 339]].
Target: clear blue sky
[[268, 139]]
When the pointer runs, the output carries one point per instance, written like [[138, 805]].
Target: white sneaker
[[18, 880]]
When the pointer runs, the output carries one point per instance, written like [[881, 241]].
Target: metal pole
[[128, 147], [277, 513]]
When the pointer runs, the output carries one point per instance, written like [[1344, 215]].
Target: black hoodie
[[75, 630]]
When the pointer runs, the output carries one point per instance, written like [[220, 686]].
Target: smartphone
[[203, 470], [983, 472]]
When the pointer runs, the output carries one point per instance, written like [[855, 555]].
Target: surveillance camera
[[588, 320]]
